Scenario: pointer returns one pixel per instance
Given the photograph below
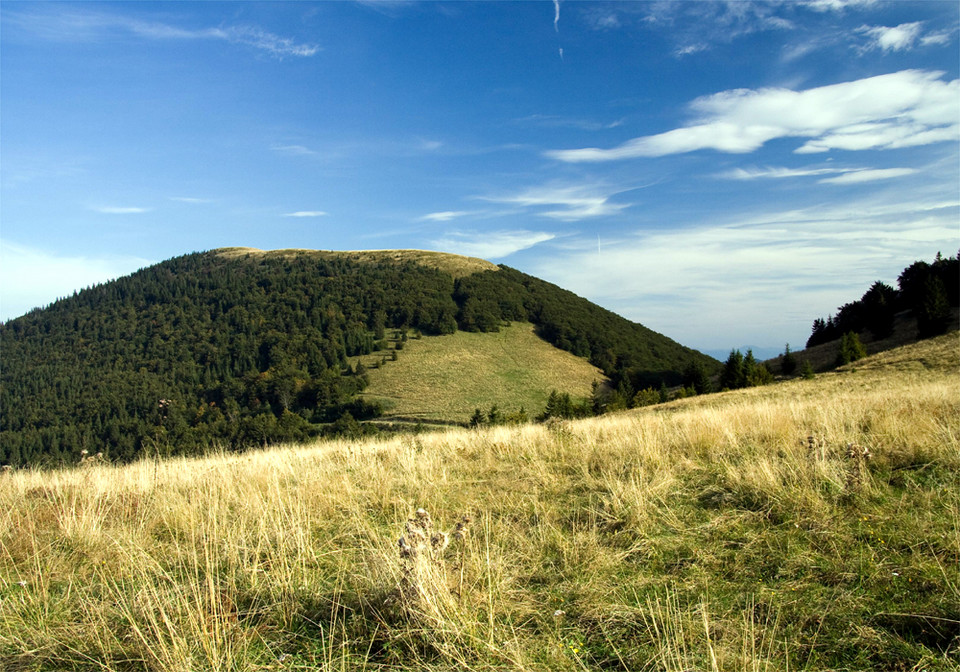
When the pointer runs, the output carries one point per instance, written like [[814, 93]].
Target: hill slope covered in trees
[[240, 347]]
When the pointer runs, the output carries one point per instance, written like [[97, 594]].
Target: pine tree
[[933, 316], [788, 363], [851, 349], [733, 375], [477, 418]]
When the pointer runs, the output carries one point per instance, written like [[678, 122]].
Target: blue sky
[[722, 172]]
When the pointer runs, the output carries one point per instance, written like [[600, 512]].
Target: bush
[[647, 397]]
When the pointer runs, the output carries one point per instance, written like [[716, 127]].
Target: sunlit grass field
[[448, 377], [809, 525]]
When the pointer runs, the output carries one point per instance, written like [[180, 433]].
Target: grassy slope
[[706, 534], [454, 264], [447, 377]]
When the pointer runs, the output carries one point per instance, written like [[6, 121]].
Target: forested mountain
[[239, 347]]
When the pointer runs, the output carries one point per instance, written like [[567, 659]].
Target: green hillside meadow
[[449, 377], [806, 525]]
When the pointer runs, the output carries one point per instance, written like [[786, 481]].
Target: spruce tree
[[788, 363], [851, 349], [732, 376], [933, 316]]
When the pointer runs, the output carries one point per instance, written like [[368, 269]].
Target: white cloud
[[867, 175], [260, 39], [490, 244], [902, 109], [939, 38], [837, 5], [294, 150], [189, 199], [896, 38], [119, 210], [73, 25], [843, 175], [566, 203], [691, 49], [445, 216], [553, 121], [306, 213], [32, 278], [711, 284], [775, 173]]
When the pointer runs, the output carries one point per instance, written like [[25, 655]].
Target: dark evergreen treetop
[[233, 348], [926, 290]]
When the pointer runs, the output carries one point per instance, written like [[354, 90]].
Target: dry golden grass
[[447, 377], [455, 265], [707, 534]]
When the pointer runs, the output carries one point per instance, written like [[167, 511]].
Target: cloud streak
[[843, 175], [565, 203], [896, 38], [294, 150], [717, 281], [306, 213], [444, 216], [902, 109], [92, 25], [119, 210], [868, 175], [490, 244]]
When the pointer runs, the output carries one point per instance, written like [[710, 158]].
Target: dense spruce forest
[[238, 349], [926, 291]]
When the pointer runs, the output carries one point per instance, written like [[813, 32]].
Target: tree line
[[927, 291]]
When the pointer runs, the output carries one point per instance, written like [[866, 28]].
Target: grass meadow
[[448, 377], [807, 525]]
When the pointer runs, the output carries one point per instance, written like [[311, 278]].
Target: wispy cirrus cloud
[[81, 25], [697, 26], [119, 210], [718, 280], [294, 150], [775, 172], [891, 38], [554, 121], [837, 5], [306, 213], [902, 109], [565, 203], [490, 244], [189, 199], [868, 175], [904, 37], [939, 38], [841, 175], [445, 215]]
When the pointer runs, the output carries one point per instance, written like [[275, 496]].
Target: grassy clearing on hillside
[[728, 532], [447, 377]]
